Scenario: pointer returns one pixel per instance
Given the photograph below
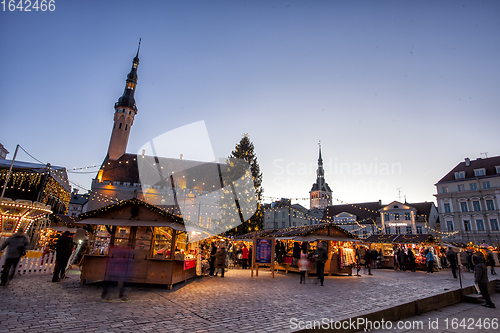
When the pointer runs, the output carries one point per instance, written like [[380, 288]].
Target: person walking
[[481, 279], [17, 244], [220, 259], [451, 256], [64, 248], [491, 262], [321, 257], [430, 261], [303, 266]]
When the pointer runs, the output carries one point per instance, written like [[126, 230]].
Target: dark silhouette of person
[[451, 256], [64, 248], [481, 279], [17, 245], [321, 257]]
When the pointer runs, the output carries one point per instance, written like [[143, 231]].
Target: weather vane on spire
[[139, 47]]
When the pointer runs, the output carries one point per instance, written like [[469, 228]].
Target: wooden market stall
[[156, 243], [339, 243], [388, 243]]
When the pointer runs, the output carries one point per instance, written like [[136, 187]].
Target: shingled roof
[[488, 164], [363, 211]]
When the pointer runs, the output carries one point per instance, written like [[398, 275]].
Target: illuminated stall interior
[[340, 245], [159, 250]]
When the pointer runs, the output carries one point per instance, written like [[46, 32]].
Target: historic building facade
[[468, 200]]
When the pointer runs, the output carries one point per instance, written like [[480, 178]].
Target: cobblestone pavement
[[235, 303], [458, 318]]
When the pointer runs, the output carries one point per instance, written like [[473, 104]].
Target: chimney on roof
[[75, 191], [467, 161], [143, 152], [180, 157]]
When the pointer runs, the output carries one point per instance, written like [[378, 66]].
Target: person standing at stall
[[244, 257], [368, 261], [430, 261], [213, 251], [481, 279], [411, 260], [17, 244], [491, 261], [452, 259], [220, 259], [321, 257], [64, 248]]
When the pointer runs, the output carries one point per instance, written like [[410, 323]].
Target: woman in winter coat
[[220, 259]]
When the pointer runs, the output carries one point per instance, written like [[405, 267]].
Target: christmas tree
[[245, 151]]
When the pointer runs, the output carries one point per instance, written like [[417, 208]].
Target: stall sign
[[263, 251], [189, 264], [398, 224]]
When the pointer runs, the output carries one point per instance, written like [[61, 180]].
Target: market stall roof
[[455, 244], [258, 233], [400, 239], [323, 231], [132, 212]]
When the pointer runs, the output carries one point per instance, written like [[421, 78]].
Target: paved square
[[235, 303]]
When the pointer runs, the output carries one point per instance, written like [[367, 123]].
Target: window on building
[[477, 206], [460, 175], [386, 216], [276, 215], [463, 207], [494, 224], [480, 225], [283, 214], [283, 225], [388, 230], [209, 222], [461, 188], [202, 221], [419, 229], [396, 216], [407, 216], [120, 126], [497, 168], [473, 187], [490, 205], [267, 225], [449, 226], [364, 233], [467, 225], [408, 230], [479, 172], [486, 185], [398, 230], [447, 208], [294, 214], [126, 126], [444, 189]]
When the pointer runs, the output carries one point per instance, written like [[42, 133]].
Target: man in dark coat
[[213, 251], [321, 257], [64, 248], [451, 256], [368, 261], [481, 279], [17, 244]]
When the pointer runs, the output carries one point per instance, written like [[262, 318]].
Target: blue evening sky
[[398, 92]]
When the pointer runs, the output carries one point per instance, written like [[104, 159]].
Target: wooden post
[[254, 240], [272, 257]]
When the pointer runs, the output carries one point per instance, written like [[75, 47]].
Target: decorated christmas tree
[[245, 151]]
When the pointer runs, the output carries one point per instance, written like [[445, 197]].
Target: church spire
[[320, 195], [125, 111]]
